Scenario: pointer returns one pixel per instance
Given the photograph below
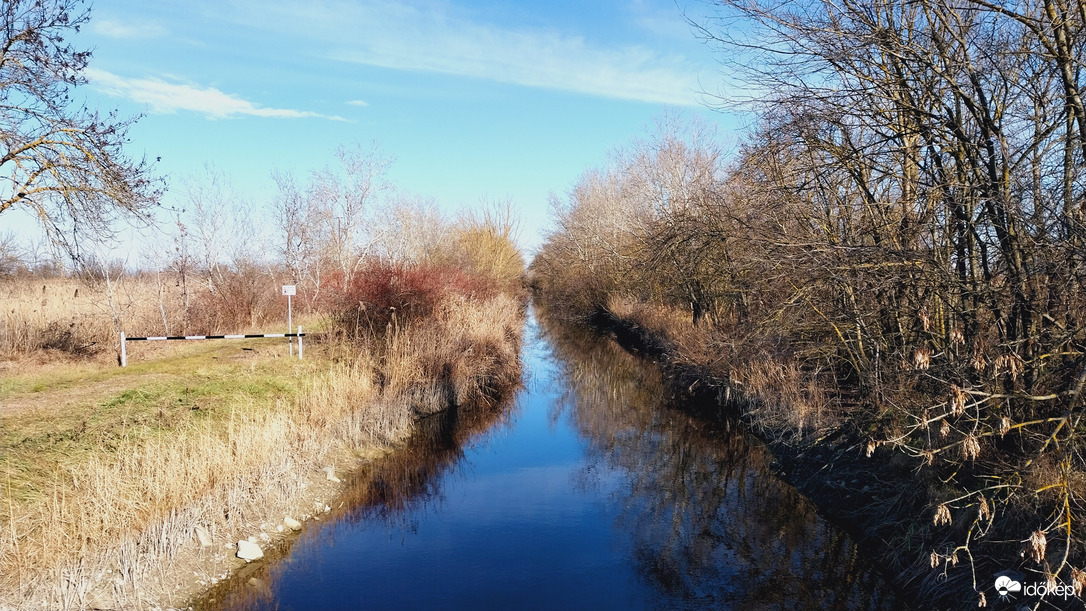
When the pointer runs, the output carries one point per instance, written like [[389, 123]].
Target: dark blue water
[[588, 492]]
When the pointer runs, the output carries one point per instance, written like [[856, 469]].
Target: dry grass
[[61, 314], [97, 506], [779, 395], [76, 316]]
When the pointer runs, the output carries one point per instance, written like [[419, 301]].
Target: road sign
[[288, 290]]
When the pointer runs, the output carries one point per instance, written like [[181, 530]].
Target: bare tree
[[61, 160], [412, 230], [183, 263], [12, 254], [348, 193], [217, 213], [303, 224], [924, 162]]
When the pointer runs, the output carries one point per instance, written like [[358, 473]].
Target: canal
[[588, 491]]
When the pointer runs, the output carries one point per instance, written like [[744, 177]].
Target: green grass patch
[[102, 410]]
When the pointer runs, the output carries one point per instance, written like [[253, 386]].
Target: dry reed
[[779, 396], [84, 316]]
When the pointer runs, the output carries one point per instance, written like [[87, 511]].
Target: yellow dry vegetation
[[108, 472]]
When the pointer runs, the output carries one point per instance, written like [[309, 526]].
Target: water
[[589, 492]]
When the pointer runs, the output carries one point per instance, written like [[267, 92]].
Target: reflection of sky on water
[[591, 495]]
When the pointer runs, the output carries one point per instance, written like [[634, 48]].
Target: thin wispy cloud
[[360, 103], [432, 37], [164, 97], [114, 28]]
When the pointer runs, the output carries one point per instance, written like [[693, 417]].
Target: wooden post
[[124, 351]]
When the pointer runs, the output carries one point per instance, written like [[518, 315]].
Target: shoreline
[[431, 446], [342, 416], [848, 489]]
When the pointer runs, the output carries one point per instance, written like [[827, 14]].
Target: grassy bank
[[108, 474], [133, 488]]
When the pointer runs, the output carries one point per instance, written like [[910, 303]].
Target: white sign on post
[[288, 290]]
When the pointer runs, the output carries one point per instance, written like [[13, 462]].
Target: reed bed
[[67, 314], [83, 316]]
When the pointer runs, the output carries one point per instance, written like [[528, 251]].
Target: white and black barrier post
[[290, 290], [125, 339]]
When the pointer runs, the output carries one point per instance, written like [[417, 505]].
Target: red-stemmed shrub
[[382, 293]]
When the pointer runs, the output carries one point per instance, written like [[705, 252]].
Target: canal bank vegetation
[[113, 478], [889, 270]]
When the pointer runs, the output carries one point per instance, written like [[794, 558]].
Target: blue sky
[[473, 99]]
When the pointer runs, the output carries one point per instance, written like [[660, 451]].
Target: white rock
[[249, 551], [291, 523], [203, 536]]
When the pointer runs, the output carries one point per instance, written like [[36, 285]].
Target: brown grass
[[61, 314], [75, 316], [101, 529], [778, 395]]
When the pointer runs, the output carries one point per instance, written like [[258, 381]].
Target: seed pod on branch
[[978, 362], [942, 515], [1011, 364], [1038, 543], [970, 448], [957, 400], [956, 337], [1004, 426], [922, 358]]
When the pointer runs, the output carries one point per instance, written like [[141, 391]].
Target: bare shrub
[[384, 292]]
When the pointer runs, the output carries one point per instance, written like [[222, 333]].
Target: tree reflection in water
[[693, 514], [712, 526]]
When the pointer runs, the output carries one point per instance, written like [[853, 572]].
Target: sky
[[472, 99]]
